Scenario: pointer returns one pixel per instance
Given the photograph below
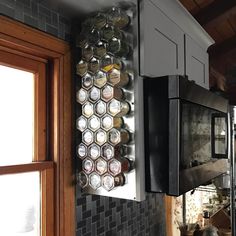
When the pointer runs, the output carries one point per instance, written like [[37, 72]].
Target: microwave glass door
[[203, 134]]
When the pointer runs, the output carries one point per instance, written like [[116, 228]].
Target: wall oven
[[186, 135]]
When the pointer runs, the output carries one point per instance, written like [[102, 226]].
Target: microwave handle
[[215, 138]]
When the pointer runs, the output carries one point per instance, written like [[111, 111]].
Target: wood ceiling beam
[[216, 12], [221, 49]]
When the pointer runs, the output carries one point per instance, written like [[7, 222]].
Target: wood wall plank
[[214, 34], [204, 3], [191, 6], [225, 30]]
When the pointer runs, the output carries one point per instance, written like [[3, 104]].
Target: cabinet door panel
[[162, 43], [197, 68]]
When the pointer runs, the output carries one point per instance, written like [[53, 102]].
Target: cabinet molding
[[197, 65], [162, 43], [181, 17]]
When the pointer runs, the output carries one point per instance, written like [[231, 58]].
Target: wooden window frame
[[57, 174]]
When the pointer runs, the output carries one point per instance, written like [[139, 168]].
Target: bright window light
[[16, 116], [20, 204]]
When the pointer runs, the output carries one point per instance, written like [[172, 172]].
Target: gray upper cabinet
[[166, 42], [162, 43], [197, 67]]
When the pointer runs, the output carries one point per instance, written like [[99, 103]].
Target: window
[[20, 199], [17, 147], [23, 149], [36, 174], [17, 116]]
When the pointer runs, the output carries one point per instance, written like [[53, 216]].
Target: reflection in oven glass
[[196, 135]]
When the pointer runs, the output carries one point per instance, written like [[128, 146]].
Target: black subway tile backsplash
[[34, 9], [30, 21], [9, 3], [7, 10], [52, 30], [54, 19], [25, 2], [63, 20], [45, 11], [123, 217], [38, 14]]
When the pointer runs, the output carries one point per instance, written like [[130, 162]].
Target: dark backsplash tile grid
[[98, 215], [38, 14]]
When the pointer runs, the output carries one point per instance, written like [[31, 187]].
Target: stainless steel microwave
[[186, 135]]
